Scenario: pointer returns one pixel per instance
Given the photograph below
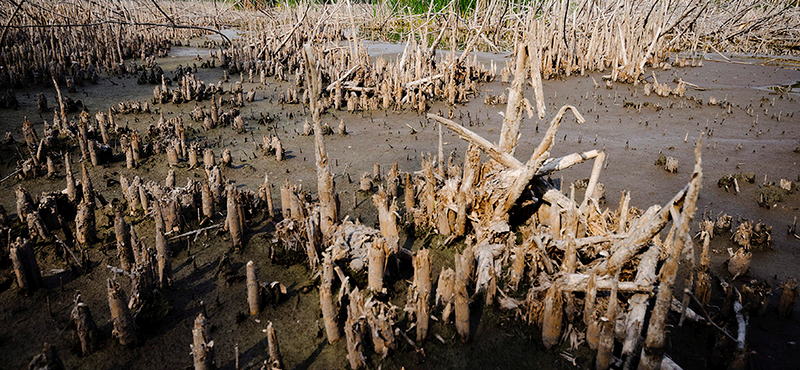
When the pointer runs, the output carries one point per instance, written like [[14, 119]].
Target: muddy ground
[[748, 137]]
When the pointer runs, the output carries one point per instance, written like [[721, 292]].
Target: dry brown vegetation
[[518, 240]]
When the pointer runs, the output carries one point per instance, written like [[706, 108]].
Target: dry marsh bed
[[508, 260]]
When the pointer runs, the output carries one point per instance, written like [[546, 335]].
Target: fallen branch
[[580, 282], [490, 149], [560, 163], [9, 176], [708, 318], [535, 162], [194, 232], [423, 81], [344, 76], [70, 251], [627, 248]]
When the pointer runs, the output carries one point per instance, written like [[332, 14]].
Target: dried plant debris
[[495, 227]]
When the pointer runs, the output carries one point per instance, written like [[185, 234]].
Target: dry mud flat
[[749, 129]]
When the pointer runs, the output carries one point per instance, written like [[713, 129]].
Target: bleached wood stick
[[652, 352], [253, 301], [598, 166], [627, 248], [742, 325], [579, 282], [514, 108], [677, 306], [646, 274], [194, 232], [425, 80], [560, 163], [341, 79], [537, 158], [490, 149], [590, 240], [622, 228]]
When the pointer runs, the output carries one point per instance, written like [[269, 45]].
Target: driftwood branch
[[344, 76], [580, 282], [490, 149]]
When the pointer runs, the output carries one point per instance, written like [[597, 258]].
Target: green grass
[[423, 6]]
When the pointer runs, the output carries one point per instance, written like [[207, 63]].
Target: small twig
[[194, 232], [9, 176], [708, 318], [162, 12], [123, 23], [288, 35], [70, 251], [5, 29], [344, 76]]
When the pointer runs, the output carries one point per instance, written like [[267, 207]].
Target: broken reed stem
[[464, 196], [515, 106], [703, 288], [461, 296], [85, 328], [653, 350], [124, 329], [233, 219], [377, 264], [123, 235], [638, 304], [26, 269], [162, 250], [326, 188], [552, 316], [606, 344], [387, 220], [202, 346], [590, 188], [252, 289], [275, 358], [422, 283], [326, 300]]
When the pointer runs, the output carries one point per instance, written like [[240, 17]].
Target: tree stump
[[461, 297], [326, 301], [47, 360], [85, 328], [788, 298], [124, 329], [275, 358], [29, 276], [253, 297], [422, 286], [202, 347]]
